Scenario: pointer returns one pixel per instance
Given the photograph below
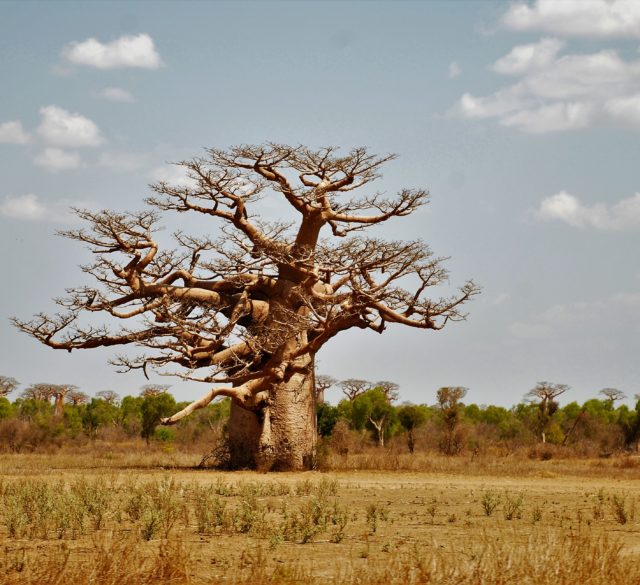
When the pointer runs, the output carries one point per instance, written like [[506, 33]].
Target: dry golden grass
[[112, 517]]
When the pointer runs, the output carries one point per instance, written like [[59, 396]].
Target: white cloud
[[624, 215], [491, 106], [122, 161], [525, 58], [56, 159], [625, 109], [133, 51], [581, 18], [174, 175], [558, 93], [595, 76], [12, 133], [26, 207], [30, 208], [62, 128], [454, 70], [556, 117], [116, 94]]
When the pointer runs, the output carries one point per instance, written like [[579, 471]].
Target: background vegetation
[[45, 417]]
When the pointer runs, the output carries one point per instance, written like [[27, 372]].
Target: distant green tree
[[130, 415], [328, 416], [96, 414], [72, 420], [600, 410], [35, 410], [372, 410], [411, 417], [629, 422], [449, 402], [153, 408], [6, 408]]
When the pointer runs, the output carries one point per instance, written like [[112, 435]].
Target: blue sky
[[522, 119]]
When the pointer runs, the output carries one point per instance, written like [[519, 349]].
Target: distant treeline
[[49, 415]]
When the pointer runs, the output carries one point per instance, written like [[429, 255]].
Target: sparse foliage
[[154, 389], [75, 397], [7, 385], [108, 396], [390, 389], [613, 395], [353, 387]]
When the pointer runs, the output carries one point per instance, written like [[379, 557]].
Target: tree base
[[282, 436]]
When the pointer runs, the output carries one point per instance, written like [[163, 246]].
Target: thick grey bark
[[282, 436]]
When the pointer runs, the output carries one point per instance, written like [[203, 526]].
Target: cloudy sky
[[522, 119]]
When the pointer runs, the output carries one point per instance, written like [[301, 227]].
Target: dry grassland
[[129, 518]]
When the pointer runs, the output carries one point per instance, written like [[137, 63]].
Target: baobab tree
[[60, 393], [154, 389], [612, 395], [546, 394], [323, 383], [7, 385], [249, 310], [353, 387], [75, 398], [109, 396], [390, 389], [42, 392]]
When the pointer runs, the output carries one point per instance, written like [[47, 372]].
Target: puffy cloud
[[525, 58], [116, 94], [454, 70], [12, 133], [580, 18], [556, 117], [133, 51], [26, 207], [624, 215], [558, 93], [56, 159], [62, 128], [625, 109], [595, 76], [174, 175], [30, 208], [491, 106]]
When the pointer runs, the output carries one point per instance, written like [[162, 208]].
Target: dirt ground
[[386, 516]]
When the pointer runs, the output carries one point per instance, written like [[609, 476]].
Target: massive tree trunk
[[281, 436]]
